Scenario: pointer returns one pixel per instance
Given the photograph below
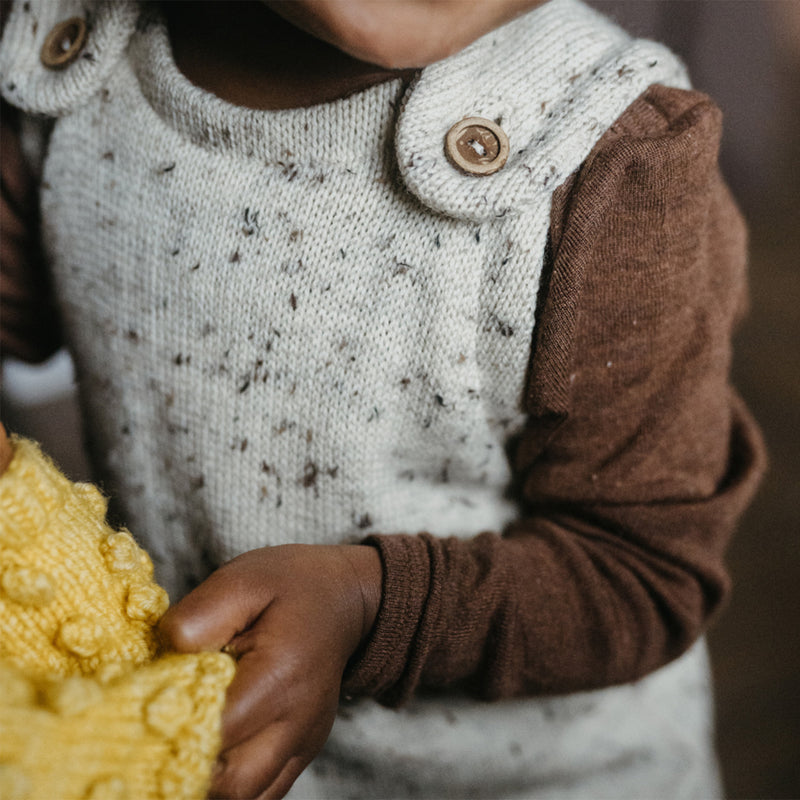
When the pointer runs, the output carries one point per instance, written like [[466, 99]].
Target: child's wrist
[[368, 570]]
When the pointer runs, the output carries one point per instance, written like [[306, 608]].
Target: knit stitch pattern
[[75, 595], [84, 711], [306, 326], [151, 733], [334, 340]]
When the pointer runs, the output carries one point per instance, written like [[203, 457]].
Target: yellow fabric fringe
[[85, 710]]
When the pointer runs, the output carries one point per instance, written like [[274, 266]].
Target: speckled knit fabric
[[263, 309], [84, 710], [305, 326]]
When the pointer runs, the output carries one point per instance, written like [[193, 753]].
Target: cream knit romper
[[306, 325]]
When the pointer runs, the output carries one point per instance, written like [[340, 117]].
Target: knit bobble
[[145, 566], [73, 695], [65, 567], [108, 789], [93, 501], [177, 779], [28, 586], [18, 515], [121, 552], [81, 636], [147, 603], [17, 689], [168, 711], [85, 711], [14, 783]]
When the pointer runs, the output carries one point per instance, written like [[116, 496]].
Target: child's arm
[[635, 465], [638, 458]]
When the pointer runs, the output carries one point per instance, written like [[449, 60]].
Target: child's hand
[[292, 615], [400, 33]]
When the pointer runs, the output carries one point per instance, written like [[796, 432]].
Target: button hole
[[477, 147]]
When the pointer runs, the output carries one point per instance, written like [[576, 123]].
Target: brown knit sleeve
[[28, 321], [637, 460]]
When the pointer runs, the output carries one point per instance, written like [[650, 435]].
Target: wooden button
[[476, 146], [64, 43]]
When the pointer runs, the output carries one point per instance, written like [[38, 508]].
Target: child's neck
[[248, 55]]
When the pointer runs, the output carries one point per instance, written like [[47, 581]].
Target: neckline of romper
[[554, 79], [352, 131]]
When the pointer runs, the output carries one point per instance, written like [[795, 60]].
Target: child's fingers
[[281, 785], [225, 604], [256, 698], [252, 766], [278, 679]]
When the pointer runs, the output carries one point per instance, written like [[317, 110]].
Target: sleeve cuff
[[385, 667]]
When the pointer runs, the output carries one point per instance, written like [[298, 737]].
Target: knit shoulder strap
[[555, 80], [28, 83]]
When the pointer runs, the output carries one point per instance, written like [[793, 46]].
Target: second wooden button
[[64, 43], [477, 146]]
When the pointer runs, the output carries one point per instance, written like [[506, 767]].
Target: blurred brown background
[[746, 54]]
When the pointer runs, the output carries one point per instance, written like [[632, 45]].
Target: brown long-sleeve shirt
[[637, 459]]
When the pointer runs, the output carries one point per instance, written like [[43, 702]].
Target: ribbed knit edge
[[373, 671], [352, 131]]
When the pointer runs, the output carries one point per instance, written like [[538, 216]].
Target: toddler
[[439, 357]]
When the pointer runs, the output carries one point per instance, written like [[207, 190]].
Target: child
[[493, 304]]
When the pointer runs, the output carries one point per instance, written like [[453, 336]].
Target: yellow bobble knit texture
[[85, 711], [74, 594]]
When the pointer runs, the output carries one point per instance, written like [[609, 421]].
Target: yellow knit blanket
[[87, 709]]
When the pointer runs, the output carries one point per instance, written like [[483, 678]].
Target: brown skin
[[400, 34], [250, 56], [303, 53], [6, 450], [294, 615]]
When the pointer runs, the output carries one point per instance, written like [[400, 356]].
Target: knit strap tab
[[555, 80], [27, 83]]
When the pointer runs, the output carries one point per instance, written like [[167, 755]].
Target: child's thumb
[[211, 615]]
